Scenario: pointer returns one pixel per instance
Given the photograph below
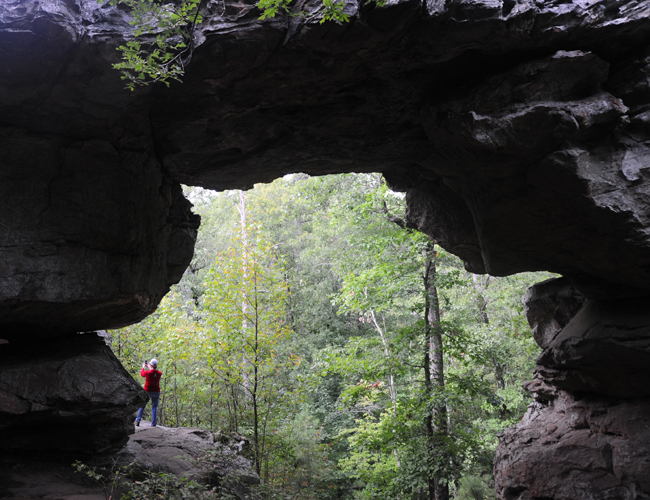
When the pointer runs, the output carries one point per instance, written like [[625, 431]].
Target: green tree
[[351, 418], [417, 434], [388, 285], [245, 303]]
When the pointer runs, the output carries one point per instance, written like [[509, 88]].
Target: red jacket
[[152, 383]]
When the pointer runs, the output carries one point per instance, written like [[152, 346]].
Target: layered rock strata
[[587, 434], [540, 153], [574, 449], [518, 129], [92, 236]]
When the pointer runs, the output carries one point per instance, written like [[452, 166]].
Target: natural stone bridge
[[519, 129]]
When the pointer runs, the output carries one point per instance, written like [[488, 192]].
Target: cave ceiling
[[518, 129]]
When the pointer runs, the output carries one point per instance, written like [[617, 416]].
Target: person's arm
[[144, 371]]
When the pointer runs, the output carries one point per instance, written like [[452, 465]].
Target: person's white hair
[[153, 362]]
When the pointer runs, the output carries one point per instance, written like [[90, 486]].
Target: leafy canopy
[[321, 301]]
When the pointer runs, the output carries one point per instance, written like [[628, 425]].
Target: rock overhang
[[333, 99], [516, 128], [519, 130]]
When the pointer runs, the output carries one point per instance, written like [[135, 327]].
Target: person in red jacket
[[152, 388]]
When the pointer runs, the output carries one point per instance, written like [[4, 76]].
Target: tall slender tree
[[245, 303], [434, 374]]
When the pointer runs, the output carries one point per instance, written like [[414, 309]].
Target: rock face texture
[[570, 449], [65, 397], [553, 139], [91, 237], [94, 231], [192, 453], [519, 129], [587, 434]]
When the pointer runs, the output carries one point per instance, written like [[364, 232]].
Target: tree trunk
[[161, 406], [176, 397], [211, 406], [481, 303], [256, 422], [245, 272], [391, 378], [436, 424], [235, 407], [384, 341]]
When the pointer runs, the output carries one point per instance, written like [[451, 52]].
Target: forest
[[360, 359]]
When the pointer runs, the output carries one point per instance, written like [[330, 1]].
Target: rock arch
[[519, 130]]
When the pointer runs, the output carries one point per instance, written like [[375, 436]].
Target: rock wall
[[587, 433], [93, 229], [539, 154], [93, 237], [519, 129], [574, 449]]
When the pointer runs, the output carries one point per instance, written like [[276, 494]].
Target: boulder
[[192, 453], [66, 397], [188, 452]]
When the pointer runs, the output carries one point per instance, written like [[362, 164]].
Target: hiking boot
[[137, 423]]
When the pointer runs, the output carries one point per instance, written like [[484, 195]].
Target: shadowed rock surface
[[587, 434], [65, 397], [604, 349], [549, 306], [187, 452], [519, 129], [38, 479], [91, 236], [508, 123]]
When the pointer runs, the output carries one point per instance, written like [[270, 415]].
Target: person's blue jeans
[[155, 396]]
